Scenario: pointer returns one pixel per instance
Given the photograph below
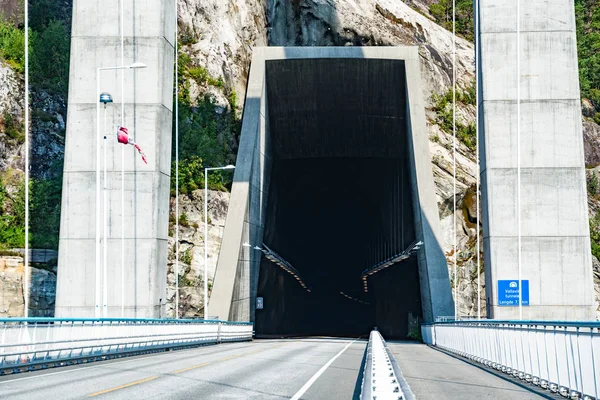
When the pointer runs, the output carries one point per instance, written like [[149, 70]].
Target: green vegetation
[[12, 128], [44, 209], [12, 210], [45, 195], [206, 137], [12, 46], [595, 235], [592, 188], [592, 183], [587, 15], [49, 47], [50, 58], [196, 72], [183, 220], [187, 257], [442, 105], [415, 333], [442, 12]]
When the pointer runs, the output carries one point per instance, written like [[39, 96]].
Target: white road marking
[[319, 373]]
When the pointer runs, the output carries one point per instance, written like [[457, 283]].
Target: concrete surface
[[234, 289], [556, 256], [149, 37], [432, 374]]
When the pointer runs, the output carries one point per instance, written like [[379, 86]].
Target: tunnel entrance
[[340, 199]]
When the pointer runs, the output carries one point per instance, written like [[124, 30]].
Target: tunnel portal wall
[[262, 154]]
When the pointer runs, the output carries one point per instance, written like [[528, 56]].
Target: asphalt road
[[312, 368], [262, 369], [432, 374]]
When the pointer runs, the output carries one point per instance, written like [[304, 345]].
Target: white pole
[[105, 223], [454, 152], [97, 293], [519, 158], [205, 243], [477, 153], [176, 167], [122, 163], [26, 105]]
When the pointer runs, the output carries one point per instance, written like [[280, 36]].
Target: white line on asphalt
[[319, 373]]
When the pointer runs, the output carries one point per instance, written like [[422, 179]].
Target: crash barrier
[[562, 357], [382, 379], [28, 343]]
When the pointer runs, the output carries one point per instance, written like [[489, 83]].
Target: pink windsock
[[123, 137]]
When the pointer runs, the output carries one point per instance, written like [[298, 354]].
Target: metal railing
[[382, 378], [41, 342], [563, 357]]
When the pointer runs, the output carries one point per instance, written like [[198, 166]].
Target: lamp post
[[104, 100], [206, 233]]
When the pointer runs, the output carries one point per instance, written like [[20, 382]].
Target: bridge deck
[[263, 369], [432, 374]]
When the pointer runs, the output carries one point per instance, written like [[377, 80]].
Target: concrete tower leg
[[555, 242], [147, 93]]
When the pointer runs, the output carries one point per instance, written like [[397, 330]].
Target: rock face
[[596, 268], [219, 36], [42, 289], [12, 10], [591, 142], [11, 118], [48, 134], [191, 249]]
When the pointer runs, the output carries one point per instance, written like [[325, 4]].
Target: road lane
[[432, 374], [263, 369]]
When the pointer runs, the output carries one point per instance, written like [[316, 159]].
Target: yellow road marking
[[189, 368], [123, 386], [231, 357], [176, 372]]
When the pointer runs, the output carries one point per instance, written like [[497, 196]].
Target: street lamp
[[104, 98], [206, 233]]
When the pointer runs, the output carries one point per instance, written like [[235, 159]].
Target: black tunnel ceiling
[[336, 107]]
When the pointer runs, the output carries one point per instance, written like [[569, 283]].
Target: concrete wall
[[234, 289], [236, 277], [148, 97], [555, 237]]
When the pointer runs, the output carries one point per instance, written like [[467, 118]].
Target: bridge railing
[[41, 342], [562, 357], [382, 378]]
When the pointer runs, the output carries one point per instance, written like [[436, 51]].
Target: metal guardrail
[[28, 343], [563, 357], [382, 379]]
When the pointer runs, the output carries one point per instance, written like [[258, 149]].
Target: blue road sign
[[259, 303], [508, 293]]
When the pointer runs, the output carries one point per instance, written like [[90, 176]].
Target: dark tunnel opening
[[340, 199]]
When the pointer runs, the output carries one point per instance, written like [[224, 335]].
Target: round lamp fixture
[[106, 98]]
